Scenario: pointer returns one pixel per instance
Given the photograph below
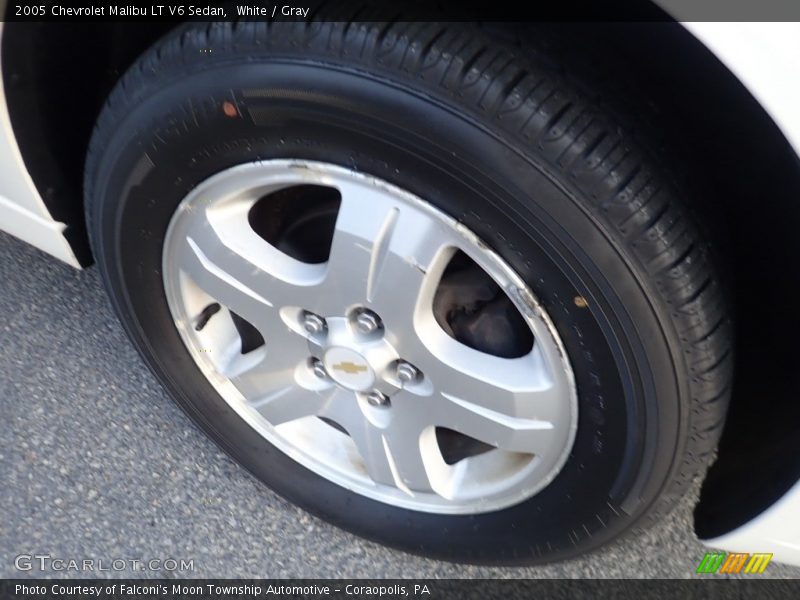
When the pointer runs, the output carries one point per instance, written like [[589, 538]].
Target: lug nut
[[367, 321], [319, 369], [406, 372], [376, 398], [313, 323]]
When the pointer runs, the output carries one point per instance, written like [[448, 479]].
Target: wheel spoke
[[496, 428], [517, 387], [391, 455], [222, 285], [266, 371], [371, 445], [267, 377], [403, 450], [289, 403], [271, 388], [381, 253], [512, 404], [342, 408], [231, 263]]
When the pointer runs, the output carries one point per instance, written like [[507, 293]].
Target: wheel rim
[[356, 379]]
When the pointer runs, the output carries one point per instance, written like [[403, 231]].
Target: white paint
[[766, 59], [776, 530], [35, 229]]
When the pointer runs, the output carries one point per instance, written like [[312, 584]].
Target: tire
[[563, 192]]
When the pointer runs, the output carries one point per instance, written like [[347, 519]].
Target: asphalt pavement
[[96, 463]]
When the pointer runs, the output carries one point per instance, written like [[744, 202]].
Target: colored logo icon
[[733, 563]]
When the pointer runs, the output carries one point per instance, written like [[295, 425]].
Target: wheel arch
[[56, 78]]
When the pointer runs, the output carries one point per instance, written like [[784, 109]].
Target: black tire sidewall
[[630, 421]]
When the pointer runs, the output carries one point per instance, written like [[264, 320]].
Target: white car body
[[758, 54]]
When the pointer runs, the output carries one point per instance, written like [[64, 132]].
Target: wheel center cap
[[349, 369]]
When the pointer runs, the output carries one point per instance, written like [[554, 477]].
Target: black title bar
[[406, 10]]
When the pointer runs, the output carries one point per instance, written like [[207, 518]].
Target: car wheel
[[413, 281]]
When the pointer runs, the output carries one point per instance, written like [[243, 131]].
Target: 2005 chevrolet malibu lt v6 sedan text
[[485, 292]]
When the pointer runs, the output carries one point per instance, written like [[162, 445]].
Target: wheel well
[[748, 181], [57, 77]]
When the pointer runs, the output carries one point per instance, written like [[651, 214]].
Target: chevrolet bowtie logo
[[350, 367]]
